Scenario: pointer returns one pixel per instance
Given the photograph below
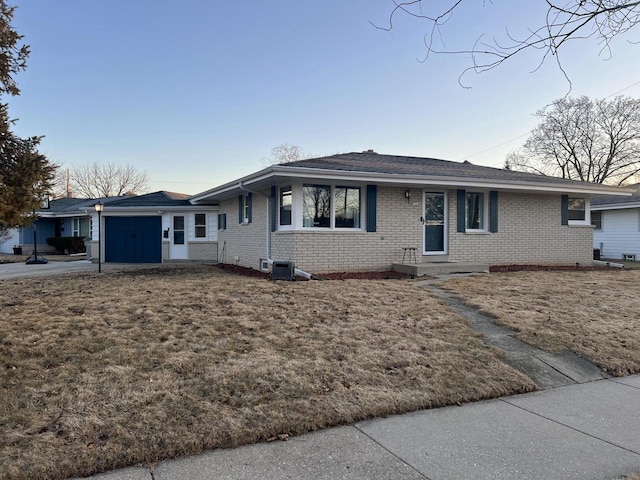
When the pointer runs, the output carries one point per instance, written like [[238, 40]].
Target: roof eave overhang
[[615, 206], [282, 172]]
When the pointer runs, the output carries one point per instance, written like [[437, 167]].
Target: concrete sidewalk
[[588, 431]]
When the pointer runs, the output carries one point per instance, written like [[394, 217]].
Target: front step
[[443, 268]]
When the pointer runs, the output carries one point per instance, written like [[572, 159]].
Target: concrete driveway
[[20, 270]]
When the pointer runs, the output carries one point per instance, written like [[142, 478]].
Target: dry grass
[[10, 258], [592, 313], [55, 257], [100, 372]]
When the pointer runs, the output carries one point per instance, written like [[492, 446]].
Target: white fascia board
[[79, 213], [407, 180], [613, 206], [159, 209], [382, 178], [216, 191]]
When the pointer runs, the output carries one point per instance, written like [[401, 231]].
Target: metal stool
[[412, 252]]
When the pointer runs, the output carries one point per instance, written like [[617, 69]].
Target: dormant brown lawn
[[594, 313], [103, 371]]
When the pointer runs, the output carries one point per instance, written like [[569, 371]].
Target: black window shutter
[[219, 222], [249, 207], [224, 221], [493, 211], [272, 208], [240, 205], [372, 202], [462, 215], [565, 210]]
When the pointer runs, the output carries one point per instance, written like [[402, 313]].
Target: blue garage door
[[133, 239]]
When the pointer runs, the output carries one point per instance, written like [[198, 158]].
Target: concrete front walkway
[[546, 369], [588, 431]]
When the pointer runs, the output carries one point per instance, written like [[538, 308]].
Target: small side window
[[596, 220], [285, 205], [475, 211], [201, 225], [577, 209]]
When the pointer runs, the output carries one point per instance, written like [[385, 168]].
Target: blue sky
[[197, 93]]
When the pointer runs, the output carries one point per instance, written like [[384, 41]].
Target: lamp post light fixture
[[99, 208]]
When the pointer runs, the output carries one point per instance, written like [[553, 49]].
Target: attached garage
[[133, 239]]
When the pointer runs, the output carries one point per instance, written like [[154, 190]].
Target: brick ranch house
[[363, 211]]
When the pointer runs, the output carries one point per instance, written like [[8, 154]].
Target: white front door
[[179, 238]]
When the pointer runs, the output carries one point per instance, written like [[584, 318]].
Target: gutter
[[296, 271]]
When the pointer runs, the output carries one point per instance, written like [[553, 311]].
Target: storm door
[[178, 245], [435, 223]]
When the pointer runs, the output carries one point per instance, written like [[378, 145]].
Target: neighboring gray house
[[362, 211], [616, 222]]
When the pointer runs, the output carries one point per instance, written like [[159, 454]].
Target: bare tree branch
[[98, 180], [580, 139], [565, 20], [283, 153]]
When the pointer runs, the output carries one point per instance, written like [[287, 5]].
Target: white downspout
[[296, 271]]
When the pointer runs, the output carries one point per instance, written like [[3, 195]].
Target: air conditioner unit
[[282, 271]]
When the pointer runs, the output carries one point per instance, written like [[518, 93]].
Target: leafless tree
[[565, 20], [97, 180], [580, 139], [283, 153]]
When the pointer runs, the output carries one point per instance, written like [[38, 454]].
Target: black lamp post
[[36, 259], [99, 207]]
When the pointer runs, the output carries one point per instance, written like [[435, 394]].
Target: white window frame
[[290, 190], [587, 213], [297, 207], [196, 226], [75, 227], [485, 212]]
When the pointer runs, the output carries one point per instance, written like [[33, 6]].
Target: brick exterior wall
[[203, 251], [244, 243], [529, 232]]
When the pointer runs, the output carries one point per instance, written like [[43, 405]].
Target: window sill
[[580, 225], [477, 232], [322, 230]]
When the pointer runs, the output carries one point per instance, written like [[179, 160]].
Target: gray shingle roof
[[635, 198], [400, 165], [155, 199], [58, 205]]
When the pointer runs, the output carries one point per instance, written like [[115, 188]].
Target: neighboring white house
[[616, 222]]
